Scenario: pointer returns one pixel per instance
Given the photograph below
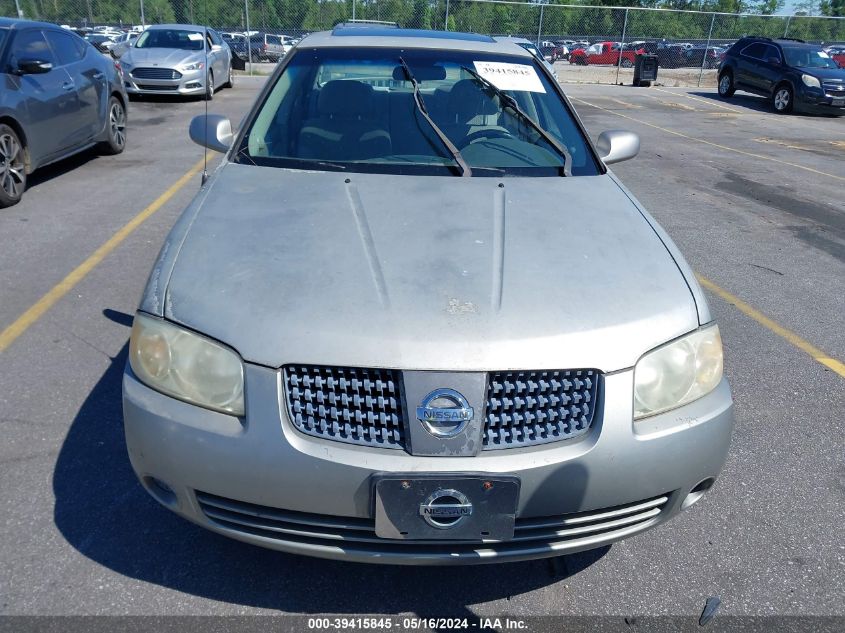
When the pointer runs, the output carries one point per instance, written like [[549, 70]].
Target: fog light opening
[[162, 492], [697, 492]]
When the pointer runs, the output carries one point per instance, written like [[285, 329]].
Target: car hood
[[288, 266], [836, 74], [164, 57]]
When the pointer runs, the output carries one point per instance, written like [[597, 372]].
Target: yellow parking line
[[707, 101], [786, 144], [791, 337], [58, 291], [670, 104], [711, 143], [625, 104]]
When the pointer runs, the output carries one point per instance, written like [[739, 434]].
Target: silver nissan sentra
[[413, 318]]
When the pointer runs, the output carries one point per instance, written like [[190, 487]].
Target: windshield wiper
[[418, 100], [509, 102]]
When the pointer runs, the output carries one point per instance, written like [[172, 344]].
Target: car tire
[[627, 63], [230, 82], [115, 128], [726, 85], [782, 99], [12, 167], [209, 86]]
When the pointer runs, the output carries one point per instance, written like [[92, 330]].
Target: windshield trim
[[242, 137]]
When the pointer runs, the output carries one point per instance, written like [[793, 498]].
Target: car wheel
[[627, 63], [782, 99], [116, 123], [12, 167], [230, 81], [209, 86], [726, 85]]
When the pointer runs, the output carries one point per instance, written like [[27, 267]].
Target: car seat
[[345, 127]]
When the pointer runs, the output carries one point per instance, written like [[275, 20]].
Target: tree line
[[535, 18]]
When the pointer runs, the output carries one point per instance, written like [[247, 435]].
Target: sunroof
[[381, 31]]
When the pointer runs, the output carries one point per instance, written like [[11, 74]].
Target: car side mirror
[[617, 145], [213, 131], [774, 61], [33, 67]]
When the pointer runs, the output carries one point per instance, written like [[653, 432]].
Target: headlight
[[810, 81], [678, 373], [185, 365], [194, 66]]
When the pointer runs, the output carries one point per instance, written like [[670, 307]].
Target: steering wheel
[[488, 133]]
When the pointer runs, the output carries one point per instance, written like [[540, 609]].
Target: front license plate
[[838, 103], [441, 507]]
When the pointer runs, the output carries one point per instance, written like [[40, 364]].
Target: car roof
[[383, 37], [180, 27], [14, 23], [781, 41], [515, 40]]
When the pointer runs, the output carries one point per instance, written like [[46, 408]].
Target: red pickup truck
[[603, 53]]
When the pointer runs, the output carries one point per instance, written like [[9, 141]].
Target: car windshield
[[171, 38], [804, 57], [354, 110]]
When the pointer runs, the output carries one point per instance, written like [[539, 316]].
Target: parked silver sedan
[[177, 59], [414, 318]]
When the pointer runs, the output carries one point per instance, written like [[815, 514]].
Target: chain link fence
[[587, 44]]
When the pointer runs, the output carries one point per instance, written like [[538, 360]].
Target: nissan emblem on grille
[[444, 412], [444, 509]]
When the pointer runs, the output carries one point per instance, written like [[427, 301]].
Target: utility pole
[[706, 49], [143, 23], [540, 24], [247, 36], [18, 7]]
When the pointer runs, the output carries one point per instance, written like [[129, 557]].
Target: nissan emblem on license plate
[[426, 506]]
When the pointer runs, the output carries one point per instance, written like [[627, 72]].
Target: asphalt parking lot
[[754, 200]]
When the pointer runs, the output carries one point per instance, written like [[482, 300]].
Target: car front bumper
[[189, 83], [817, 102], [259, 480]]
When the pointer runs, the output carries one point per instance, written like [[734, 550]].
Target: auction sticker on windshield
[[505, 76]]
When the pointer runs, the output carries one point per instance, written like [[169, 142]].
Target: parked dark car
[[265, 47], [60, 96], [793, 74], [548, 51], [702, 56], [669, 55], [103, 43]]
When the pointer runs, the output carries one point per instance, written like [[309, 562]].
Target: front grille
[[346, 404], [536, 407], [834, 89], [156, 73], [161, 88], [357, 535]]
